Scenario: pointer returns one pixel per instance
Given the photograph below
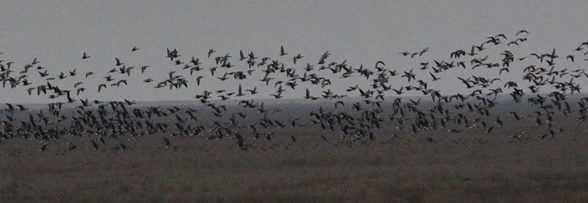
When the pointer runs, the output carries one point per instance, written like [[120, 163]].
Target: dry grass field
[[430, 166]]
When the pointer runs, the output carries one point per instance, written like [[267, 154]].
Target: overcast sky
[[57, 33]]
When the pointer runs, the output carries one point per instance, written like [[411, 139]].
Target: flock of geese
[[379, 105]]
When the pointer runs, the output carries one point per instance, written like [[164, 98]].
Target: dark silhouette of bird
[[282, 52], [166, 142]]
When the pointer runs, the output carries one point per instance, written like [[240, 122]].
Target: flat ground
[[468, 168]]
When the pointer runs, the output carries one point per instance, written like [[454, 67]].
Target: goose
[[297, 57], [101, 86], [43, 148], [143, 68], [118, 63], [433, 76], [43, 74], [95, 145], [198, 79], [195, 61], [282, 52], [210, 52], [242, 56], [522, 32], [240, 92], [339, 103], [81, 89], [516, 116], [398, 91], [379, 68], [252, 91], [307, 96]]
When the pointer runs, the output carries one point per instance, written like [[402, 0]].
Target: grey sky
[[57, 33]]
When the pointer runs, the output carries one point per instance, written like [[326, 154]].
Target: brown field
[[467, 167]]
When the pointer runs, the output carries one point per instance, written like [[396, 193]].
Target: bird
[[516, 116], [166, 142], [101, 86], [143, 68], [252, 91], [361, 121], [118, 63], [95, 145], [433, 76], [198, 79], [282, 52], [210, 52], [43, 148], [522, 32], [297, 57]]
